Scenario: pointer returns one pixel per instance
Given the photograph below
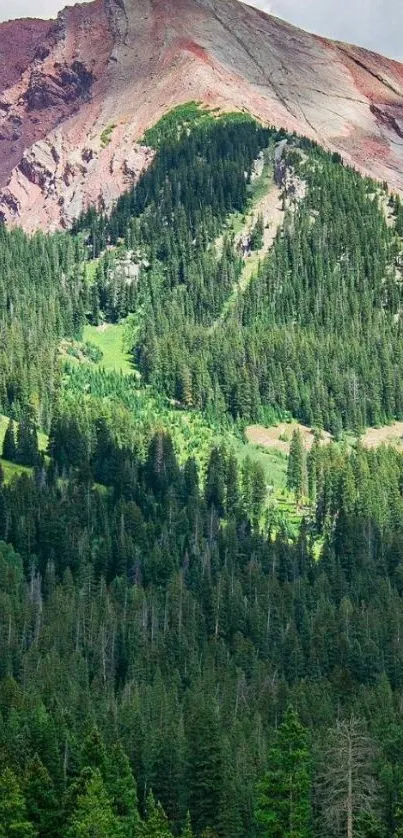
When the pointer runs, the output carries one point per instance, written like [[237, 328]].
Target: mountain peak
[[85, 87]]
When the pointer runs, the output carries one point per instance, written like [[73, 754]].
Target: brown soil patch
[[279, 437], [389, 435]]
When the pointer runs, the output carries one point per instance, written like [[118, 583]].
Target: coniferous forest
[[173, 660]]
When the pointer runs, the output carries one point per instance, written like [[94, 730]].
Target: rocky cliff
[[77, 94]]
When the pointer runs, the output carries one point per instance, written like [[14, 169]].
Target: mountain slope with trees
[[173, 660]]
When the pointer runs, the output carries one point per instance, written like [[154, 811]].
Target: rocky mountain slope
[[77, 94]]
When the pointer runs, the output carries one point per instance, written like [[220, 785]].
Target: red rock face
[[78, 93]]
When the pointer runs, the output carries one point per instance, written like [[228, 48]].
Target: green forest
[[177, 660]]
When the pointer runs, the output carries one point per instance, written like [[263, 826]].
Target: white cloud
[[32, 8], [376, 24], [260, 4]]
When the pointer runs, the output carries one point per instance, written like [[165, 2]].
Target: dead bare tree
[[346, 789]]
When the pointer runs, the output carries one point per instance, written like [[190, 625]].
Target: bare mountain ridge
[[77, 94]]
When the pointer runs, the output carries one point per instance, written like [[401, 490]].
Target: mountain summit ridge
[[78, 93]]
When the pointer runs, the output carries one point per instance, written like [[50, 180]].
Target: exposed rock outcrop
[[120, 64], [67, 85]]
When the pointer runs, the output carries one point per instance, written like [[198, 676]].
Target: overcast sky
[[377, 24]]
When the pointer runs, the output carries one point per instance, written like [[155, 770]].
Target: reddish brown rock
[[77, 94]]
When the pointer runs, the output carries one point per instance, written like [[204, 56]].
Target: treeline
[[194, 182]]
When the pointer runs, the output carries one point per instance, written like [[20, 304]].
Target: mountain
[[78, 93], [201, 419]]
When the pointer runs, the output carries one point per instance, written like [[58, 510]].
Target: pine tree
[[258, 492], [121, 787], [14, 822], [204, 763], [41, 800], [283, 801], [27, 442], [257, 234], [232, 502], [93, 814], [93, 753], [229, 817], [399, 814], [296, 465], [187, 831], [156, 822], [9, 443], [215, 481]]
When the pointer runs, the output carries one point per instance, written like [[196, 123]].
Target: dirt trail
[[270, 206]]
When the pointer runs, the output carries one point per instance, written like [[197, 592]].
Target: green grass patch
[[274, 462], [12, 470], [136, 413], [90, 270], [282, 509], [4, 420], [110, 339]]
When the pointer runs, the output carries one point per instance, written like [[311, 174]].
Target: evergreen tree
[[122, 792], [93, 815], [399, 815], [41, 800], [156, 823], [232, 502], [14, 822], [9, 443], [93, 752], [187, 829], [204, 764], [257, 234], [283, 801], [215, 481], [296, 464], [27, 442]]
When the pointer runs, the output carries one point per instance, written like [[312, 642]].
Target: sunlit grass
[[110, 340]]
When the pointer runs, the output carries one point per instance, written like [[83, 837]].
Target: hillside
[[76, 103], [201, 418], [200, 611]]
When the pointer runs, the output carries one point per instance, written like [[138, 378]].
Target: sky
[[377, 24]]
